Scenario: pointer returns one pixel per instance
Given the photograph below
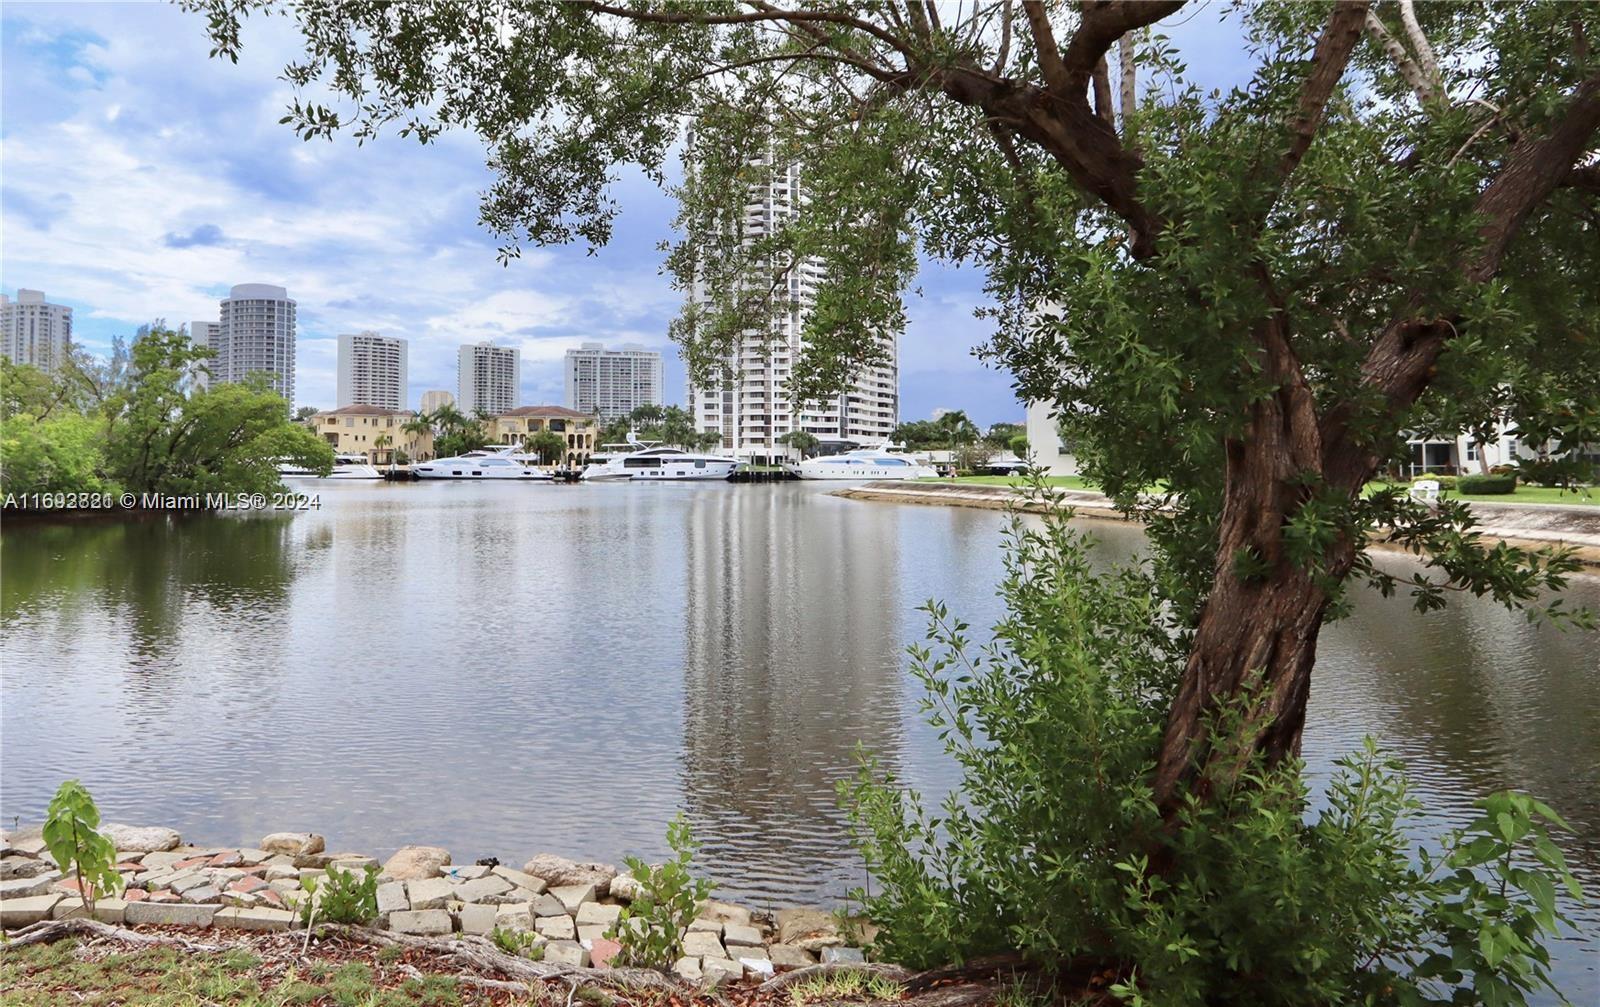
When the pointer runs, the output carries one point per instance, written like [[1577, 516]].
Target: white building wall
[[489, 378], [372, 371], [1044, 441], [256, 334], [34, 331], [612, 383], [753, 411]]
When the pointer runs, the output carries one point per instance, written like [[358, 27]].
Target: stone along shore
[[563, 906]]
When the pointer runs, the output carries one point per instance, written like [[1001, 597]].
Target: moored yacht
[[660, 464], [864, 463], [351, 466], [505, 463]]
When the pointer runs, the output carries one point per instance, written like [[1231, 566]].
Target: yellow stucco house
[[373, 431], [579, 429]]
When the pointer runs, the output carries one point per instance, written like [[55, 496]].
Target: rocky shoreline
[[565, 907]]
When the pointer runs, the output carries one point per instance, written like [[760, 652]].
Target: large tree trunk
[[1256, 639]]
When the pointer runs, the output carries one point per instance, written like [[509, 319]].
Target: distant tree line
[[142, 421]]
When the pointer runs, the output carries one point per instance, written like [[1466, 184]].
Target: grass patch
[[1524, 494], [58, 975], [1062, 482]]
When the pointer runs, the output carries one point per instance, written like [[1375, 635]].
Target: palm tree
[[381, 443], [548, 446], [417, 427], [802, 441]]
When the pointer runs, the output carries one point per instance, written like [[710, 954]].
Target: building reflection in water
[[794, 656]]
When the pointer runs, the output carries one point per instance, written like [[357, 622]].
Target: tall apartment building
[[753, 411], [256, 335], [489, 379], [372, 371], [435, 399], [612, 383], [204, 334], [34, 331]]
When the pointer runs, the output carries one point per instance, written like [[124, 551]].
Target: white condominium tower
[[490, 379], [612, 383], [34, 331], [256, 335], [372, 371], [754, 411]]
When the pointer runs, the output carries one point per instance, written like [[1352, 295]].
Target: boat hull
[[859, 473]]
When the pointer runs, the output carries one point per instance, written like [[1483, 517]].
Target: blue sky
[[141, 179]]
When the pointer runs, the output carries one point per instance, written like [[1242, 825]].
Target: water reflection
[[510, 669], [792, 661]]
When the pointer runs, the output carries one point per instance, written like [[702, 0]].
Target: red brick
[[135, 895], [193, 862], [247, 885], [603, 951]]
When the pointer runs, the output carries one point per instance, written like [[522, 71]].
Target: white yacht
[[659, 464], [863, 463], [504, 463], [344, 467]]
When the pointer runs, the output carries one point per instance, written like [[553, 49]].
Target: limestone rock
[[204, 893], [476, 919], [789, 956], [718, 970], [12, 868], [737, 934], [597, 914], [706, 927], [23, 910], [392, 898], [842, 956], [23, 888], [556, 928], [518, 916], [415, 862], [626, 887], [428, 922], [702, 945], [811, 929], [429, 893], [178, 914], [589, 933], [141, 838], [757, 965], [468, 872], [688, 968], [573, 896], [105, 910], [292, 844], [566, 953], [254, 919], [521, 880], [723, 912], [548, 905], [482, 888], [559, 871]]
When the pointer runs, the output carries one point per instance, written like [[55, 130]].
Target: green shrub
[[1053, 845], [1489, 485], [1446, 482], [69, 833], [652, 927], [347, 897], [522, 943]]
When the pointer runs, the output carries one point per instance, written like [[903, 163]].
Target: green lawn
[[1524, 494], [1063, 482]]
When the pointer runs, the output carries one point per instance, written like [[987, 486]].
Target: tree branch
[[1328, 61], [1399, 57]]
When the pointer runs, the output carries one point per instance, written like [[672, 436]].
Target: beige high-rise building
[[372, 371], [34, 331], [435, 399], [753, 411]]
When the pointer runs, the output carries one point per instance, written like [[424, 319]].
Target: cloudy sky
[[141, 179]]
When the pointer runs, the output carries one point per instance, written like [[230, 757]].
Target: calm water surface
[[504, 670]]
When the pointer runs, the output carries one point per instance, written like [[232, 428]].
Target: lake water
[[505, 670]]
